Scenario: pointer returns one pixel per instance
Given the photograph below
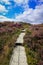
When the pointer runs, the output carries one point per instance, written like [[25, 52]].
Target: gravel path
[[19, 55]]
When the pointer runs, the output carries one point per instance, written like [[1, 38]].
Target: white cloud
[[32, 15], [2, 8], [5, 1], [23, 3], [20, 1], [3, 18], [29, 15]]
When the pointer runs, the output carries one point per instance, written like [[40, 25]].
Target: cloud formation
[[3, 18], [2, 9], [28, 15], [23, 3], [5, 1], [32, 15]]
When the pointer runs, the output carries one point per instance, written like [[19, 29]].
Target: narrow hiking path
[[19, 55]]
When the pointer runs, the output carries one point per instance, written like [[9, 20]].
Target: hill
[[33, 41], [9, 32]]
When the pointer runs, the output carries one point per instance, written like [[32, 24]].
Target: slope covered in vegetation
[[9, 32], [33, 41]]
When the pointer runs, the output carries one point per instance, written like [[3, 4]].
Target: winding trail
[[19, 55]]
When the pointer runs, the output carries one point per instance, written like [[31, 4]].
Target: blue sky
[[22, 10]]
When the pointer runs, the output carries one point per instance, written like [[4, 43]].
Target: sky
[[30, 11]]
